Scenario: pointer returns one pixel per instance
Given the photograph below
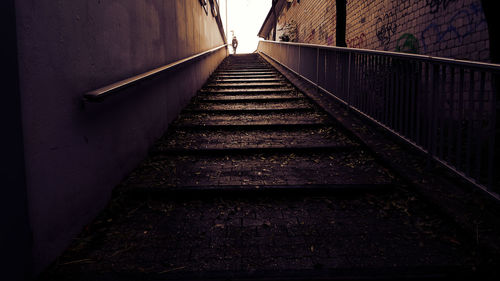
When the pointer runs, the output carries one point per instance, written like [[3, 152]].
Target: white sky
[[245, 17]]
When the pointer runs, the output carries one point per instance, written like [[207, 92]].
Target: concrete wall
[[75, 153], [15, 234], [451, 28]]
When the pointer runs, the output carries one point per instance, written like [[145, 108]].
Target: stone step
[[201, 151], [249, 118], [269, 236], [248, 80], [247, 85], [252, 110], [244, 66], [248, 126], [232, 70], [246, 91], [299, 168], [199, 191], [242, 73], [247, 139], [250, 105], [255, 97], [244, 77], [216, 98]]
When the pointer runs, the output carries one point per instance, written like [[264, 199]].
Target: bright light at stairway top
[[245, 17]]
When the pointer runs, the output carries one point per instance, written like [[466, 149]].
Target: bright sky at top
[[245, 17]]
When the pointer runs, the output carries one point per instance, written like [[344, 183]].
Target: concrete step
[[243, 65], [264, 236], [243, 73], [255, 97], [244, 77], [246, 91], [298, 168], [247, 85], [248, 118], [291, 137], [249, 105], [204, 151], [248, 126], [247, 80], [236, 70], [251, 110]]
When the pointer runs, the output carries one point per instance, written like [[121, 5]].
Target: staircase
[[249, 128], [255, 181]]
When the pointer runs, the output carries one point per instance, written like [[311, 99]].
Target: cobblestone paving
[[266, 234], [144, 234]]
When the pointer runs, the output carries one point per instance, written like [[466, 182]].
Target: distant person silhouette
[[234, 44]]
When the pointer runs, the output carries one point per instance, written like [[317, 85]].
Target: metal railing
[[103, 92], [444, 107]]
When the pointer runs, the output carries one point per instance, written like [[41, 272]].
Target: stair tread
[[241, 97], [254, 139], [264, 169], [246, 91], [251, 105], [249, 80], [252, 119]]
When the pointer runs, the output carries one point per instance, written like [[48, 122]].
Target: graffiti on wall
[[386, 27], [329, 40], [407, 43], [357, 41], [438, 5], [289, 31], [322, 33], [402, 7], [434, 5], [463, 23]]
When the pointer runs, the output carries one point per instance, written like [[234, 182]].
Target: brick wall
[[311, 21], [445, 28]]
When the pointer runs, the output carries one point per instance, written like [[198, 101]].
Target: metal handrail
[[446, 108], [457, 62], [101, 93]]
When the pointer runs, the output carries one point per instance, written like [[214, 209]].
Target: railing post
[[348, 94], [287, 52], [494, 150], [298, 67], [317, 69], [324, 72]]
